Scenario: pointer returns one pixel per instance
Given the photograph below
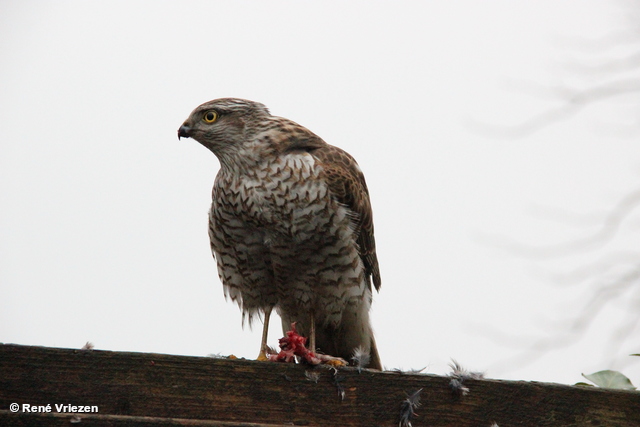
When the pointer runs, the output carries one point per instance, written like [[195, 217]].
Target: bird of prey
[[290, 226]]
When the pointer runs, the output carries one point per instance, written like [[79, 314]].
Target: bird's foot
[[334, 362], [293, 345], [266, 354]]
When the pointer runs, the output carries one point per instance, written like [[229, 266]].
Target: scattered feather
[[408, 408], [337, 381], [360, 358], [312, 376], [458, 388], [610, 379], [458, 375], [459, 371], [408, 371], [88, 346]]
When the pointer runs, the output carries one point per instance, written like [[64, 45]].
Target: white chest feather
[[286, 196], [281, 222]]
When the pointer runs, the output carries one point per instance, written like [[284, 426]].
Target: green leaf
[[583, 384], [610, 379]]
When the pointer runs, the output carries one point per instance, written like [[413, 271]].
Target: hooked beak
[[184, 132]]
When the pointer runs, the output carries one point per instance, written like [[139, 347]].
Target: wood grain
[[142, 389]]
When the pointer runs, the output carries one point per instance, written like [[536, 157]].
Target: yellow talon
[[336, 363]]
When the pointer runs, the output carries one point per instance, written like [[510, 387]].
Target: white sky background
[[103, 216]]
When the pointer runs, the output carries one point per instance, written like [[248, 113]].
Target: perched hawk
[[290, 226]]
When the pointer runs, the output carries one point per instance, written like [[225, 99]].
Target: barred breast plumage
[[290, 225]]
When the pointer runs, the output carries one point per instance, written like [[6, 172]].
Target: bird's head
[[224, 125]]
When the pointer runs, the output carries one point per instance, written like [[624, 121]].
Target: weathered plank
[[140, 389], [56, 419]]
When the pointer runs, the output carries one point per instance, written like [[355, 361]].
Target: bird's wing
[[347, 184]]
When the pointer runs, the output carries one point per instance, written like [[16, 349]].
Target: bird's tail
[[374, 361], [344, 343]]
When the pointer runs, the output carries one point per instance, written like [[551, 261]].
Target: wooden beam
[[142, 389]]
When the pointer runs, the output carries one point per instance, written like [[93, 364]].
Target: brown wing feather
[[346, 182]]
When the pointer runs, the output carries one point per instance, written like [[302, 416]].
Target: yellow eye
[[210, 117]]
